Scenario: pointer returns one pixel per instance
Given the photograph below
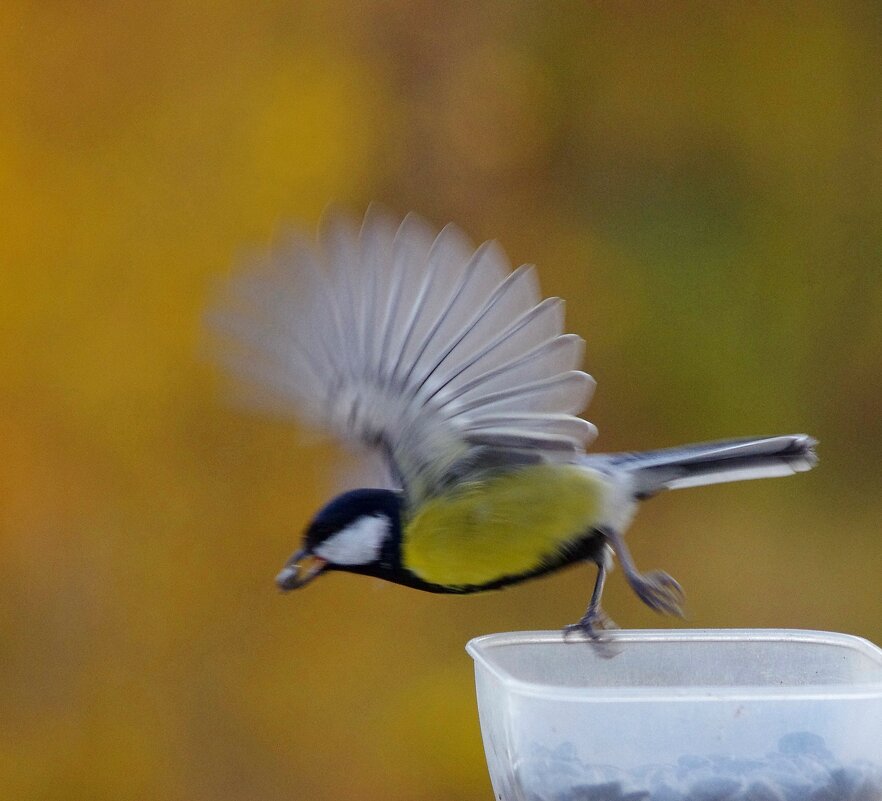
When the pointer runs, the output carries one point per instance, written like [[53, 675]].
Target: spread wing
[[414, 343]]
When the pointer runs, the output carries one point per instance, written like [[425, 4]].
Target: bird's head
[[358, 531]]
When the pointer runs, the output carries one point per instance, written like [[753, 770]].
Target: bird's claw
[[594, 625], [660, 592]]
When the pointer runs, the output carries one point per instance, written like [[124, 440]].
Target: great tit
[[449, 364]]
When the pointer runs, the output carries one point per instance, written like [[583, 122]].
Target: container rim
[[479, 647]]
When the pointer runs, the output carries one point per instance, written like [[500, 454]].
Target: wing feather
[[574, 427], [418, 344], [447, 259], [482, 272], [554, 356], [375, 239], [564, 394], [541, 323], [553, 444], [508, 300], [410, 249]]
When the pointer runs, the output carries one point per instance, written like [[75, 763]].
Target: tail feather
[[711, 462]]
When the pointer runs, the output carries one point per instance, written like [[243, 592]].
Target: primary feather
[[412, 342]]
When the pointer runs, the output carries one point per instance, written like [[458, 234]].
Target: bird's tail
[[711, 462]]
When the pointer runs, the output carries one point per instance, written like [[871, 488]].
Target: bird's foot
[[594, 625], [659, 591]]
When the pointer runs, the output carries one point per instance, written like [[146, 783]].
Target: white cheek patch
[[360, 543]]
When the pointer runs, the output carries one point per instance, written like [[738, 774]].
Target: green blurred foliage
[[702, 182]]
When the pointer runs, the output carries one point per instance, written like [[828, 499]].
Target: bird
[[411, 343]]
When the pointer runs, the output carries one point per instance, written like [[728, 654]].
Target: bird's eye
[[318, 533]]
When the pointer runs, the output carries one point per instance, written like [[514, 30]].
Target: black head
[[353, 532]]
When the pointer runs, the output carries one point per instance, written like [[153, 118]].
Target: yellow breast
[[483, 531]]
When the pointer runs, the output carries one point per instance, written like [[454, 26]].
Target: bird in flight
[[450, 365]]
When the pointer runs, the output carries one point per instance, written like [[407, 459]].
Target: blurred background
[[702, 182]]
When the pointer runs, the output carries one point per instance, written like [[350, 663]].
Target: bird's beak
[[300, 569]]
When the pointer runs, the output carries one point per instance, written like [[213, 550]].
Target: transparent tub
[[701, 715]]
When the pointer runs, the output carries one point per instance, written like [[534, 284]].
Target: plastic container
[[713, 715]]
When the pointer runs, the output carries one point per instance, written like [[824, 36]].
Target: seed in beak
[[300, 569]]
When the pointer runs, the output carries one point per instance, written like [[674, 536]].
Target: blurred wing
[[410, 342]]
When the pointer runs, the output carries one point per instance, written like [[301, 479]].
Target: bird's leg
[[656, 589], [595, 621]]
